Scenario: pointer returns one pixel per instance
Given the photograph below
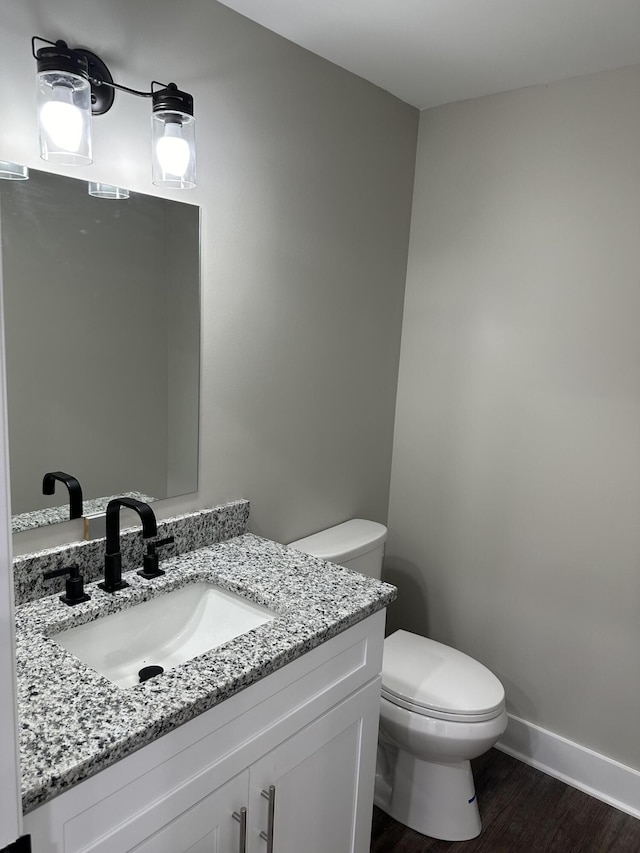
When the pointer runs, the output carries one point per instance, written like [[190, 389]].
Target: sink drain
[[148, 672]]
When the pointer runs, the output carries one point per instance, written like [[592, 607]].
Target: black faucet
[[113, 559], [73, 484]]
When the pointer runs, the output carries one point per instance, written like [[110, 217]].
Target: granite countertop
[[57, 514], [74, 722]]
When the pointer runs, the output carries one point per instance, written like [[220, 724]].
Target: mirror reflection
[[102, 336]]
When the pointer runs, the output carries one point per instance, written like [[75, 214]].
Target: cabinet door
[[206, 827], [323, 779]]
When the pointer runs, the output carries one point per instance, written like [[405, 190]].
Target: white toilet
[[439, 708]]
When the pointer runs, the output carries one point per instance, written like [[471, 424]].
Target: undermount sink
[[165, 631]]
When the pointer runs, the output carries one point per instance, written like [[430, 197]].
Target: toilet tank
[[357, 544]]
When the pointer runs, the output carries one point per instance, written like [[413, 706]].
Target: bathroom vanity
[[266, 744]]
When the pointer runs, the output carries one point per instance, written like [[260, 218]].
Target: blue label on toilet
[[472, 799]]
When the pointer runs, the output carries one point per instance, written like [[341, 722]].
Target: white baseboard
[[582, 768]]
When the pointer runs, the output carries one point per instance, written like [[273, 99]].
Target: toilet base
[[433, 798]]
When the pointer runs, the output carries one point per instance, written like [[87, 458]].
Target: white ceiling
[[430, 52]]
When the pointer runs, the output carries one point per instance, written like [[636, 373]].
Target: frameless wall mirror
[[102, 328]]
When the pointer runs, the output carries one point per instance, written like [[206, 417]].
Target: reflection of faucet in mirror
[[113, 558], [73, 484]]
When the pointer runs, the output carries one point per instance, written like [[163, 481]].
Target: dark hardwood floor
[[522, 811]]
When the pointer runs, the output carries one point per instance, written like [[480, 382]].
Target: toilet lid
[[424, 675]]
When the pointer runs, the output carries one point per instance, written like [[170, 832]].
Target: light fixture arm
[[139, 94], [121, 88]]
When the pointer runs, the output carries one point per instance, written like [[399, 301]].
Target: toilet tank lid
[[433, 676], [344, 541]]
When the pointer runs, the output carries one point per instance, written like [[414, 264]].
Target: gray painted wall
[[305, 178], [515, 493]]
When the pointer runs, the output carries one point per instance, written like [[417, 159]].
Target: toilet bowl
[[439, 708]]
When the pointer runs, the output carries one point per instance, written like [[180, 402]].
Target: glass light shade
[[13, 171], [99, 190], [173, 149], [64, 118]]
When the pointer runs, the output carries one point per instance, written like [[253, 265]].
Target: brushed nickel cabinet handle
[[241, 817], [268, 835]]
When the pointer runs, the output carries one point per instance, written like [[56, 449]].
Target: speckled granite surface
[[74, 722], [191, 530], [56, 514]]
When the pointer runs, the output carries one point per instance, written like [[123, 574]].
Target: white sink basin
[[166, 631]]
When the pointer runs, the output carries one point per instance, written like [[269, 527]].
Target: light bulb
[[173, 151], [62, 121], [64, 118]]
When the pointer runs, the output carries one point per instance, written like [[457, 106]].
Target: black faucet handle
[[73, 572], [75, 593], [151, 547], [150, 563]]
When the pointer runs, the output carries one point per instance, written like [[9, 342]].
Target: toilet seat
[[434, 680], [446, 716]]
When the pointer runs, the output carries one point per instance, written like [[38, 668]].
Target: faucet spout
[[113, 558], [72, 484]]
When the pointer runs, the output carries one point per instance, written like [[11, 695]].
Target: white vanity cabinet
[[299, 744]]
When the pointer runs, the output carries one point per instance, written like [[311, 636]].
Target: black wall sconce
[[74, 84]]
